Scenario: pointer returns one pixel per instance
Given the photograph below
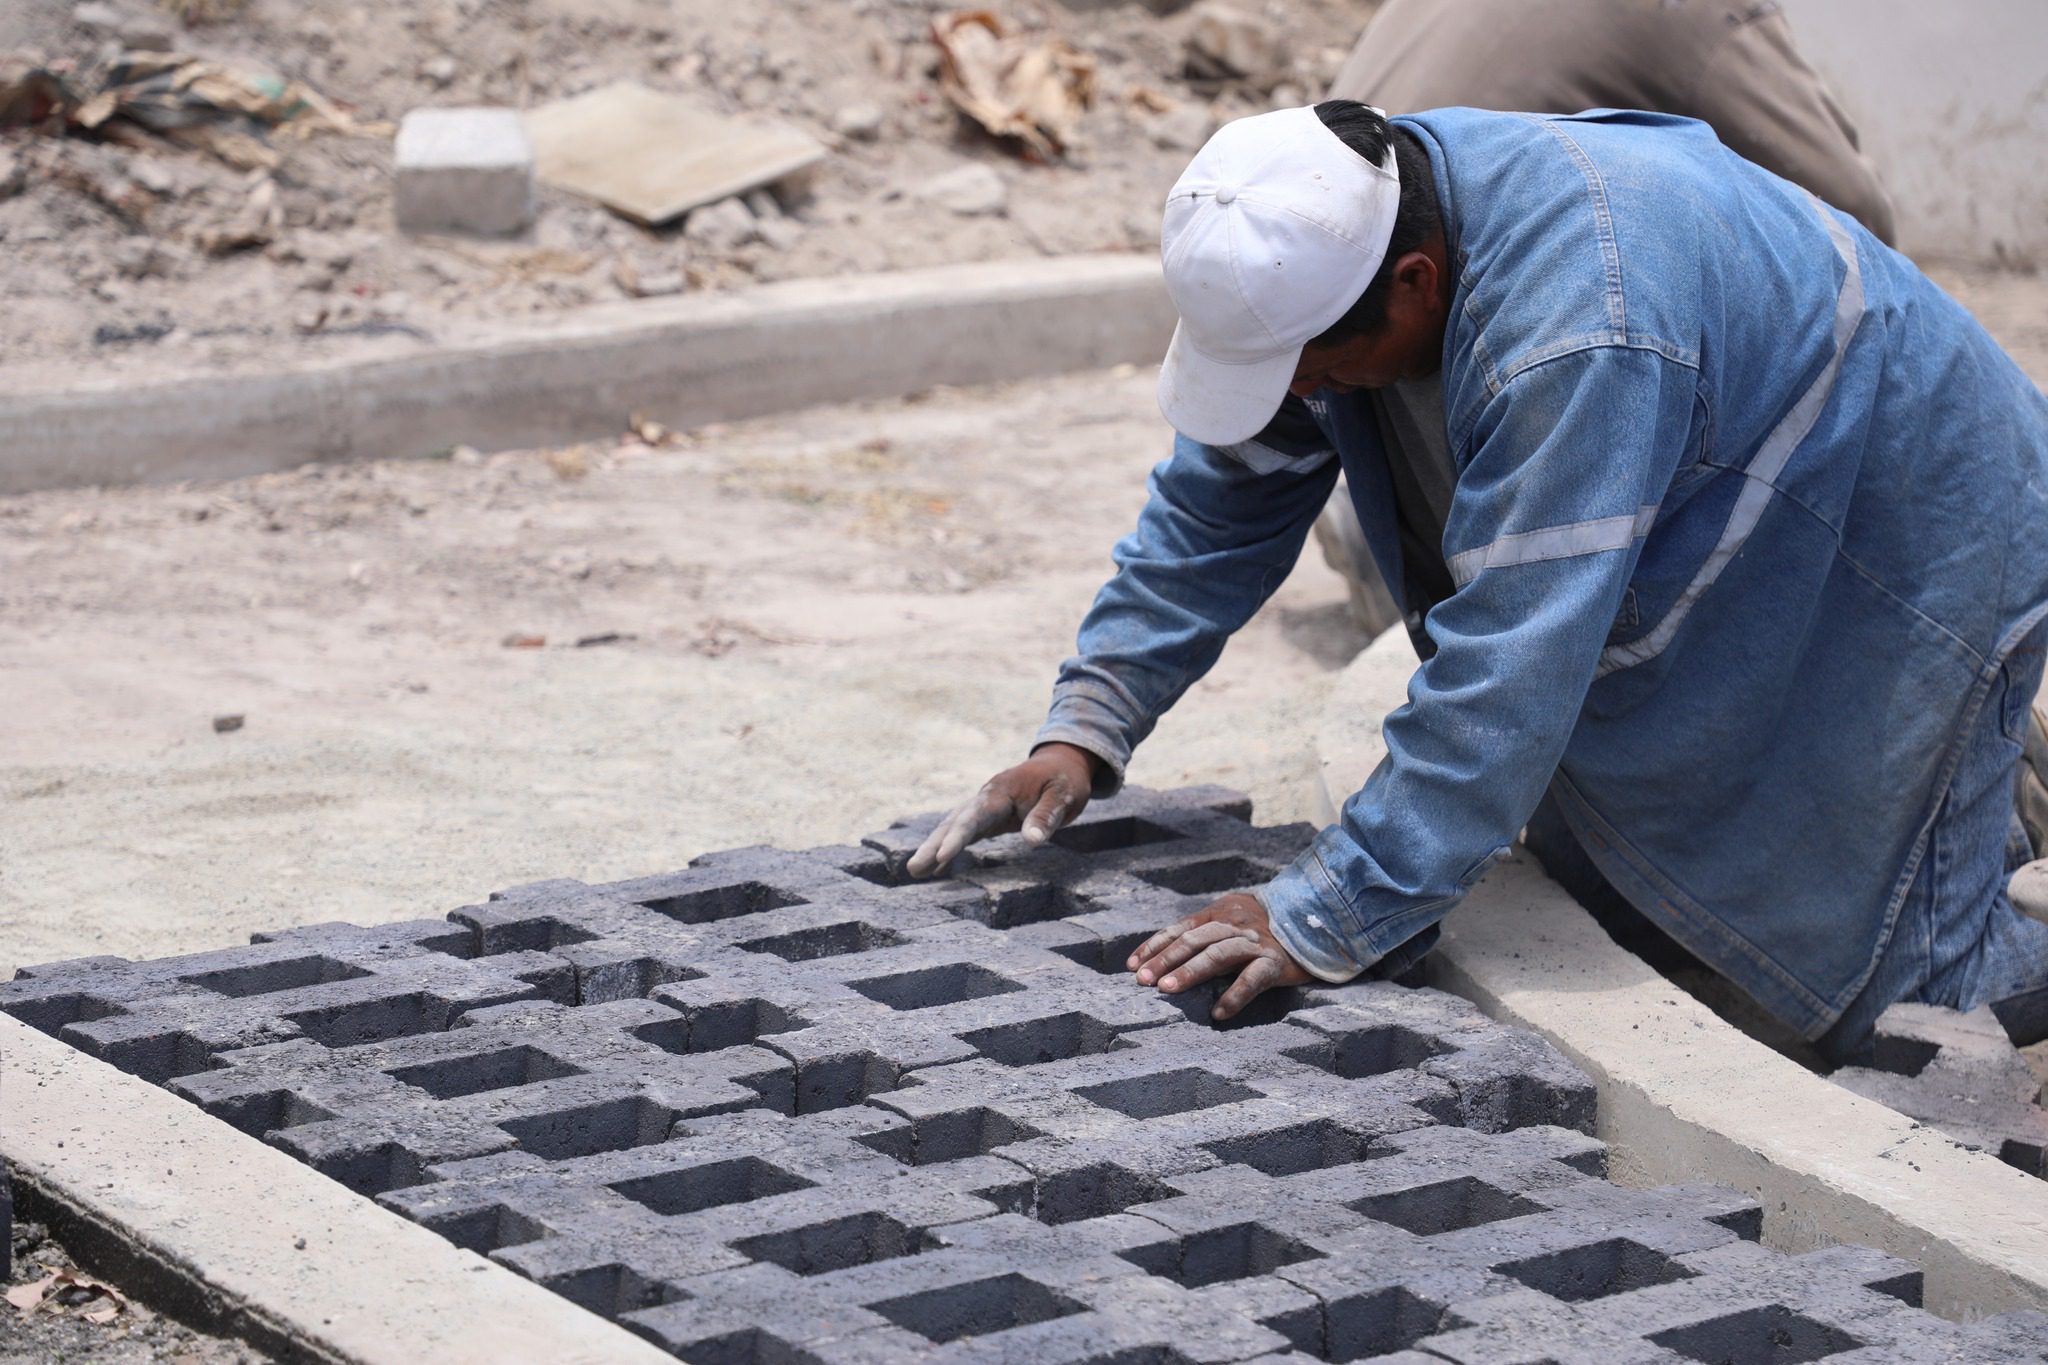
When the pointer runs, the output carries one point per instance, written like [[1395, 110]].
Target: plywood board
[[653, 156]]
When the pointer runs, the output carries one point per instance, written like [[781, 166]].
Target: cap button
[[1226, 195]]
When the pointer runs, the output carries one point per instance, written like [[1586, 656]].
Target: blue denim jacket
[[1747, 515]]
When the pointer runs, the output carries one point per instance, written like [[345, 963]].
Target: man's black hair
[[1368, 134]]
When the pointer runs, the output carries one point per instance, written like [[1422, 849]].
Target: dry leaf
[[1027, 87], [26, 1298]]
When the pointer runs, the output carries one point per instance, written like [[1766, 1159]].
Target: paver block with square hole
[[790, 1107], [1962, 1074]]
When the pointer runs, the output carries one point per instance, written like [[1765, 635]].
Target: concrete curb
[[242, 1238], [685, 361], [1687, 1096]]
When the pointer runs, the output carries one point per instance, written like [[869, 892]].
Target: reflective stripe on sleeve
[[1553, 542]]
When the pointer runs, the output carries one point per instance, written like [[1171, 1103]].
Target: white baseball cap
[[1271, 234]]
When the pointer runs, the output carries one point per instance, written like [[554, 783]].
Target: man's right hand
[[1039, 795]]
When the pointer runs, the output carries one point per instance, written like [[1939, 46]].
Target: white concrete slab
[[256, 1243]]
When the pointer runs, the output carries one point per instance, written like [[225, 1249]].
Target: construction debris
[[1228, 43], [183, 139], [860, 121], [135, 32], [465, 170], [653, 157], [973, 191], [256, 224], [646, 277], [149, 98], [1029, 88], [724, 226]]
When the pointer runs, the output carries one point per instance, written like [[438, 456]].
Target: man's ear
[[1415, 273]]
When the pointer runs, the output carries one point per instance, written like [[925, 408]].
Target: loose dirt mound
[[84, 283]]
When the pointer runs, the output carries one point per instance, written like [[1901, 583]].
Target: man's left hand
[[1230, 935]]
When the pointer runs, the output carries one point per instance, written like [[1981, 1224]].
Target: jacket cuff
[[1307, 929], [1082, 718]]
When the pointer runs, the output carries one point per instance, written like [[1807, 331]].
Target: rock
[[860, 121], [1226, 42], [152, 175], [648, 277], [227, 725], [763, 206], [96, 18], [464, 170], [440, 71], [255, 224], [135, 32], [723, 226], [974, 191], [13, 175], [781, 233], [143, 258], [1183, 128]]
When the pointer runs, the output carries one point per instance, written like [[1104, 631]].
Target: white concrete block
[[464, 170]]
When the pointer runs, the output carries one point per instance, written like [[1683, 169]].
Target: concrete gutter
[[1685, 1096], [238, 1237], [684, 361]]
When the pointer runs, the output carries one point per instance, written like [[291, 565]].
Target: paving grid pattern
[[786, 1108], [1961, 1074]]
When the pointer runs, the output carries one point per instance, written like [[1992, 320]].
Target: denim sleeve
[[1215, 540], [1567, 464]]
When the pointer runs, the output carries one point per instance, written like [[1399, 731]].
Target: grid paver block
[[1960, 1073], [789, 1107]]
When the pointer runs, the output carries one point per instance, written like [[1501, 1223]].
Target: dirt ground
[[138, 294], [60, 1330], [832, 620]]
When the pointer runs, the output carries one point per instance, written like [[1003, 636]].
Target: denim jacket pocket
[[2022, 670]]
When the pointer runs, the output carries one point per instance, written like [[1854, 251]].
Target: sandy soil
[[339, 278], [838, 618]]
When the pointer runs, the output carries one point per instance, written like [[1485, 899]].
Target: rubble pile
[[186, 185]]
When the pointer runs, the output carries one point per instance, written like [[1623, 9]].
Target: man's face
[[1372, 361], [1408, 345]]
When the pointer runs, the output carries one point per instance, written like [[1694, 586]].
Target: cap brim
[[1216, 402]]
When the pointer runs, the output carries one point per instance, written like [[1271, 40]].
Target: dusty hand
[[1039, 795], [1231, 934]]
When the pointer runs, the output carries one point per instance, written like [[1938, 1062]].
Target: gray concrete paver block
[[787, 1107], [1962, 1074]]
